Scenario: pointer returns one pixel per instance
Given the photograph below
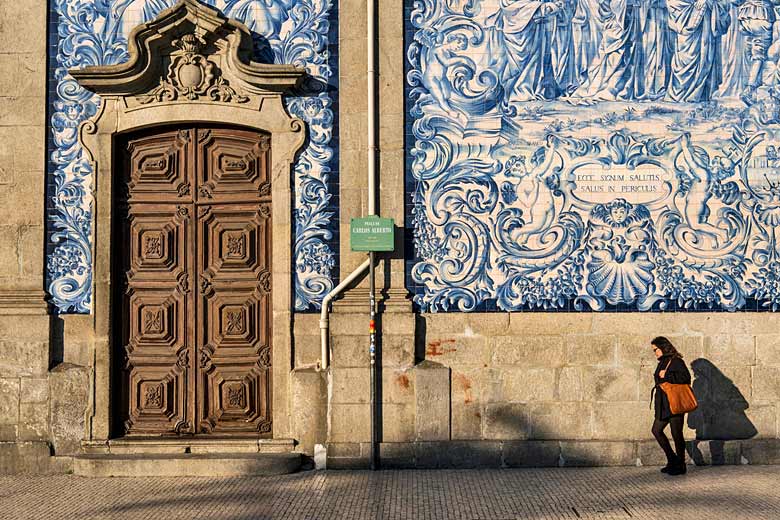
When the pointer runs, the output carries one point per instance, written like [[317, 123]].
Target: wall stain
[[403, 381], [437, 348], [465, 384]]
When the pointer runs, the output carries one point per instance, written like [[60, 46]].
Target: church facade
[[567, 179]]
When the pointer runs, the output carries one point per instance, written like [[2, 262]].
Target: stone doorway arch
[[189, 66]]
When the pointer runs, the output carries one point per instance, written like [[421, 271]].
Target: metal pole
[[372, 357]]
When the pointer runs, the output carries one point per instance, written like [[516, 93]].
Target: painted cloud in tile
[[94, 32], [586, 154]]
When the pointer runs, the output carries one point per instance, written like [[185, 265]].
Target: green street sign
[[371, 233]]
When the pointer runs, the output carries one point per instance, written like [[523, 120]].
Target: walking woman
[[671, 369]]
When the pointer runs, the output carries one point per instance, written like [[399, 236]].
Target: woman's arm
[[677, 373]]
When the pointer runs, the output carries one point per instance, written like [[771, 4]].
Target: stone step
[[186, 465], [183, 445]]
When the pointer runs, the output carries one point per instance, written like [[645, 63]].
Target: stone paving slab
[[723, 493]]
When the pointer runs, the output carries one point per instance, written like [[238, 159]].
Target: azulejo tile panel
[[94, 32], [593, 155]]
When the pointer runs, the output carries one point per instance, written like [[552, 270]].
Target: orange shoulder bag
[[681, 398]]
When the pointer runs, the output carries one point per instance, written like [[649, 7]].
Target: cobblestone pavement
[[724, 493]]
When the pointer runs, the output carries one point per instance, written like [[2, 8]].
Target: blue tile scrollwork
[[591, 155], [94, 32]]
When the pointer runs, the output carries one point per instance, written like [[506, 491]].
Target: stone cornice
[[226, 39], [23, 302]]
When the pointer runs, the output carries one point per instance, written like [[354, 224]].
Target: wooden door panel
[[160, 167], [234, 242], [233, 321], [158, 400], [234, 388], [158, 362], [157, 301], [196, 298], [158, 238], [233, 165], [158, 323], [235, 400]]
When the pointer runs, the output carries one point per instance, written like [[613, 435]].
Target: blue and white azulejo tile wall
[[94, 32], [593, 154]]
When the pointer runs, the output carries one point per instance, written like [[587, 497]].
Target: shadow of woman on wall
[[720, 416]]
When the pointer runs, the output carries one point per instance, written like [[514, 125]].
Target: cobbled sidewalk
[[723, 493]]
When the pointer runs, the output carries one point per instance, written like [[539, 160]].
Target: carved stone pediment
[[190, 52]]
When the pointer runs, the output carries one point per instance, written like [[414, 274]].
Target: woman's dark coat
[[677, 373]]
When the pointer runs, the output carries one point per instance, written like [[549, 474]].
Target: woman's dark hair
[[666, 346]]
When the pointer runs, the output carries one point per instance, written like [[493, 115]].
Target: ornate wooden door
[[194, 302]]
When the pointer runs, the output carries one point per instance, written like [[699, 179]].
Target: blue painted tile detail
[[94, 32], [588, 156]]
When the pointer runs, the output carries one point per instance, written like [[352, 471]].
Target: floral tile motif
[[94, 32], [581, 155]]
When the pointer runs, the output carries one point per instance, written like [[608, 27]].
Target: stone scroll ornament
[[572, 155], [94, 33]]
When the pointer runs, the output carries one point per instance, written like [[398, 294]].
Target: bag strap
[[669, 363]]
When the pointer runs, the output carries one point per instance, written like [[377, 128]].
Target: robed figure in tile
[[617, 72], [696, 65], [562, 53], [586, 36], [263, 17], [658, 48], [520, 49], [734, 56], [125, 15]]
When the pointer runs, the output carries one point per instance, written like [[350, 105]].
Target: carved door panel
[[234, 286], [194, 243]]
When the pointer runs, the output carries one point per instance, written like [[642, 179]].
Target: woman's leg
[[676, 423], [660, 436]]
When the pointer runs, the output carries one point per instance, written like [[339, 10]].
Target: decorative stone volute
[[189, 51]]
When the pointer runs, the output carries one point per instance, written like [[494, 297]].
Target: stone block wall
[[42, 399], [568, 390], [24, 359]]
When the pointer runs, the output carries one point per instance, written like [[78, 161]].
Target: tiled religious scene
[[584, 155], [567, 179]]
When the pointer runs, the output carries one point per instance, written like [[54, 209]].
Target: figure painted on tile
[[700, 179], [586, 36], [562, 46], [441, 55], [263, 17], [619, 68], [733, 56], [520, 49], [696, 65], [532, 194], [767, 212], [657, 47], [756, 18], [127, 14], [619, 269]]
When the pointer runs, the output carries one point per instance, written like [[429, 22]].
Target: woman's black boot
[[678, 468]]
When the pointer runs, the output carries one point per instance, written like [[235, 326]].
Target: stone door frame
[[145, 92]]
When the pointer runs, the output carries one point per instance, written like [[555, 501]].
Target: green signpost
[[372, 233]]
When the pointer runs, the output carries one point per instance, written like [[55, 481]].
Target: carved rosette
[[205, 285], [264, 357], [264, 211], [182, 427], [264, 426], [191, 75], [183, 360], [183, 283], [205, 357]]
